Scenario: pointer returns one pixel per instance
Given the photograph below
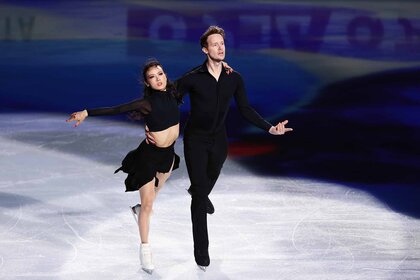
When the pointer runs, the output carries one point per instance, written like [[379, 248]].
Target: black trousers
[[204, 156]]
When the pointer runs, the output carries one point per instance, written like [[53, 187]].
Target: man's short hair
[[210, 31]]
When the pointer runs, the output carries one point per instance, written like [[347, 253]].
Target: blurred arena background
[[346, 74]]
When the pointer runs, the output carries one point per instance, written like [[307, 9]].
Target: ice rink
[[64, 215]]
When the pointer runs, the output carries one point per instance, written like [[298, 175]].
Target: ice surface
[[64, 215]]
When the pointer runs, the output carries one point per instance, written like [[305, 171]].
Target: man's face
[[215, 47]]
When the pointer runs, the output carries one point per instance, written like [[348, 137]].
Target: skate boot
[[209, 206], [202, 259], [203, 268], [135, 210], [146, 258]]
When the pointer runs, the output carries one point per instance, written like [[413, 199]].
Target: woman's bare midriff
[[165, 138]]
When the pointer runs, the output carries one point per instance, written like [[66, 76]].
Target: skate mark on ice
[[18, 216], [76, 252], [63, 215], [390, 269], [295, 229], [330, 244]]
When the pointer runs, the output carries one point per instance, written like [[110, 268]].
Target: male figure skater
[[211, 89]]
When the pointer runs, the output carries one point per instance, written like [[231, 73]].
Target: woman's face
[[156, 78]]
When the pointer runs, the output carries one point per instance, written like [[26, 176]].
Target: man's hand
[[79, 117], [280, 128], [149, 137]]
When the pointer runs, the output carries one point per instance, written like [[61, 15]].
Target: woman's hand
[[227, 68], [280, 128], [78, 117]]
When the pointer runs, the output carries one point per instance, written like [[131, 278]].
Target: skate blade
[[134, 214], [149, 271], [203, 268]]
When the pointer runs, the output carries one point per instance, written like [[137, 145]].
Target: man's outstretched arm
[[253, 117]]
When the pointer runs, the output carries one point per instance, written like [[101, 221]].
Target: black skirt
[[142, 164]]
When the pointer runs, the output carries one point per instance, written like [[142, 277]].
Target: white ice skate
[[146, 258], [135, 210]]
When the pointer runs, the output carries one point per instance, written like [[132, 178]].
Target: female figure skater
[[148, 166]]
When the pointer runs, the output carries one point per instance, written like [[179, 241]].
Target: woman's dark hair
[[152, 62], [148, 91]]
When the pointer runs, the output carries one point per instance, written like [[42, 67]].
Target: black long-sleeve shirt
[[159, 109], [210, 100]]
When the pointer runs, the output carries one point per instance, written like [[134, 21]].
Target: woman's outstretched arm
[[140, 105]]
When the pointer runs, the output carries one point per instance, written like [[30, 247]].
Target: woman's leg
[[147, 197], [148, 194], [162, 177]]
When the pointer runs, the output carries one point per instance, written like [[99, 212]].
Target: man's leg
[[217, 154], [216, 158], [204, 160], [196, 157]]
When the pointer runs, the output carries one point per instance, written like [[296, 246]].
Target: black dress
[[160, 111]]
